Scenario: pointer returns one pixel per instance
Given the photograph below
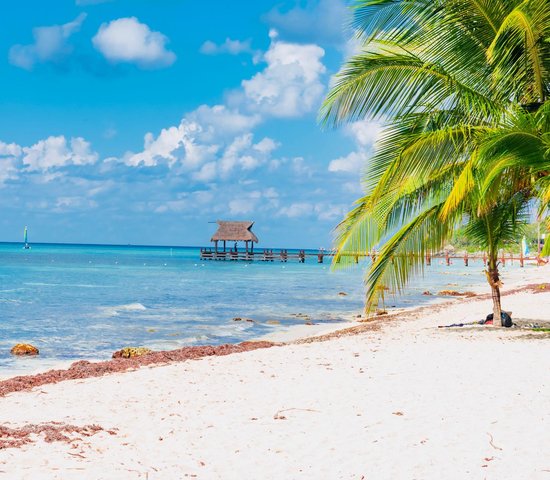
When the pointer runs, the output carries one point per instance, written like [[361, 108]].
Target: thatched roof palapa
[[234, 232]]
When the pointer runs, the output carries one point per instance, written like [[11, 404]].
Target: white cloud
[[207, 173], [50, 45], [321, 21], [290, 85], [126, 40], [241, 206], [298, 209], [300, 168], [55, 152], [231, 47], [9, 149], [8, 169], [364, 134], [219, 121], [329, 212], [172, 145], [208, 142], [351, 163]]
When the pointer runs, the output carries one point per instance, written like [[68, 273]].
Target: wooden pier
[[240, 232], [283, 255]]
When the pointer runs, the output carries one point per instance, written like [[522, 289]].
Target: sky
[[144, 121]]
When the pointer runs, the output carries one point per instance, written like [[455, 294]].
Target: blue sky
[[140, 121]]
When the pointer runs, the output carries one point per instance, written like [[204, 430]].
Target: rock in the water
[[450, 293], [427, 292], [129, 352], [24, 349], [342, 294]]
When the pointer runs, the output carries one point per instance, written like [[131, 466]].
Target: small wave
[[115, 310]]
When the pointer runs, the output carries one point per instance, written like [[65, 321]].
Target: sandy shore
[[399, 399]]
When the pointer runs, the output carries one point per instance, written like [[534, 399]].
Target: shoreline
[[472, 401], [283, 333], [296, 334]]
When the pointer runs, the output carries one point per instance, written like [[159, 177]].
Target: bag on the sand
[[506, 319]]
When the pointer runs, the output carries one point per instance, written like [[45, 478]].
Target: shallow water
[[82, 301]]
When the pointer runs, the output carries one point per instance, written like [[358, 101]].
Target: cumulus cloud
[[209, 142], [55, 152], [221, 121], [365, 135], [50, 45], [173, 144], [290, 85], [351, 163], [9, 152], [320, 21], [127, 40]]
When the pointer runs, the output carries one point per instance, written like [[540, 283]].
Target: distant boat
[[26, 239]]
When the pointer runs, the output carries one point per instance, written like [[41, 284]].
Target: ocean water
[[86, 301]]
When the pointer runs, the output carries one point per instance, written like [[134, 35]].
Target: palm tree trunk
[[494, 281]]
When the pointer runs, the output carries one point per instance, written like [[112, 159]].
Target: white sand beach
[[407, 400]]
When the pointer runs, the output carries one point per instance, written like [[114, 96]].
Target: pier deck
[[301, 256]]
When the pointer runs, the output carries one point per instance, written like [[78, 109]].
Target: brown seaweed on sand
[[51, 432], [85, 369]]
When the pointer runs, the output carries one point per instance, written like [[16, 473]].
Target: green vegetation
[[462, 87]]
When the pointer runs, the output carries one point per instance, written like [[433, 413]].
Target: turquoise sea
[[86, 301]]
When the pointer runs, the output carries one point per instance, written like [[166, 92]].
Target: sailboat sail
[[26, 239]]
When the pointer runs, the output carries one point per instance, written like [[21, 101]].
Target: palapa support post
[[465, 259], [302, 256], [320, 258]]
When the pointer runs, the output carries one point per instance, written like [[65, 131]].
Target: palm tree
[[448, 77]]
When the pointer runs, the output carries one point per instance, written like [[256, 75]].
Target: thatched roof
[[234, 232]]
